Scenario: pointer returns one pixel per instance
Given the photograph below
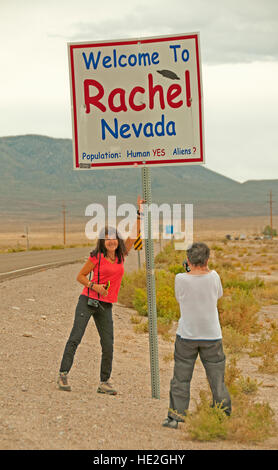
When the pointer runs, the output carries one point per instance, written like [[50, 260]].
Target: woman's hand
[[100, 289], [139, 203]]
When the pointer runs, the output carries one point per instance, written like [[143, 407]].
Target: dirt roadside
[[36, 318]]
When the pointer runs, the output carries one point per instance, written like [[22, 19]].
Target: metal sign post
[[139, 260], [151, 295], [138, 245]]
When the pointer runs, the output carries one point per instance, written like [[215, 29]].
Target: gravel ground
[[36, 318]]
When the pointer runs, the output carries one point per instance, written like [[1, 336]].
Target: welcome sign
[[137, 102]]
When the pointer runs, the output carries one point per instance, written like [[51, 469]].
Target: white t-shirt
[[197, 295]]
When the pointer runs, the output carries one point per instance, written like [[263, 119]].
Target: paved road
[[19, 264], [13, 265]]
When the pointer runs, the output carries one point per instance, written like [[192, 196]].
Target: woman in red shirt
[[106, 263]]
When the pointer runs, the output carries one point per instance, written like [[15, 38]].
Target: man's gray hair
[[198, 254]]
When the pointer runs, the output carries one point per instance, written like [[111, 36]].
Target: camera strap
[[99, 258]]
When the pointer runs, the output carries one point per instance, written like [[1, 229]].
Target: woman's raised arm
[[130, 240]]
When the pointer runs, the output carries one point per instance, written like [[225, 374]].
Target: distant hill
[[36, 176]]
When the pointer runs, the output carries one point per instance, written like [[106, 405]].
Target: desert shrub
[[207, 423], [227, 265], [269, 365], [133, 293], [166, 304], [216, 248], [234, 341], [250, 421], [244, 284], [163, 328], [270, 231], [169, 256], [140, 301], [239, 310], [161, 259], [231, 278], [141, 327], [274, 333], [135, 319], [247, 385], [268, 295], [226, 272], [176, 268], [15, 250], [266, 348], [164, 278], [232, 374], [136, 279], [168, 357], [236, 383]]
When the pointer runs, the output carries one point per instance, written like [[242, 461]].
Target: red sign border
[[128, 42]]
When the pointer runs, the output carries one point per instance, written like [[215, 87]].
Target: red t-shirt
[[108, 271]]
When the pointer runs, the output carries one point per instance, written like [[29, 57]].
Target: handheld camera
[[186, 266]]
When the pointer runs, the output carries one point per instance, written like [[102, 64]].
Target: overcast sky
[[239, 50]]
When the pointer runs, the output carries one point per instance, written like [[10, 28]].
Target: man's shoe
[[106, 387], [63, 382], [170, 423]]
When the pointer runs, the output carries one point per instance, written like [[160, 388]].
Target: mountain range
[[37, 176]]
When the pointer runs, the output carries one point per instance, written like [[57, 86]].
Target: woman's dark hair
[[198, 254], [112, 232]]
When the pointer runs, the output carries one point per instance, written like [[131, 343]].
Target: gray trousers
[[213, 359], [104, 323]]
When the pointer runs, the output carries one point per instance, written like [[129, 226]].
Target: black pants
[[213, 359], [104, 323]]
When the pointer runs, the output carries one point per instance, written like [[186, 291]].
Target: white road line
[[31, 267]]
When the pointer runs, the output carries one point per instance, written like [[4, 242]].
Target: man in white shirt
[[199, 332]]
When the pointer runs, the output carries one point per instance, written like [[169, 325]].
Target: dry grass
[[207, 423], [239, 309], [234, 342], [142, 327], [250, 421], [266, 348], [168, 357], [131, 282], [135, 319]]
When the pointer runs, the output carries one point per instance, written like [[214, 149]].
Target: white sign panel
[[136, 102]]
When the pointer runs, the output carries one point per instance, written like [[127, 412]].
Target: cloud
[[233, 31], [240, 106]]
